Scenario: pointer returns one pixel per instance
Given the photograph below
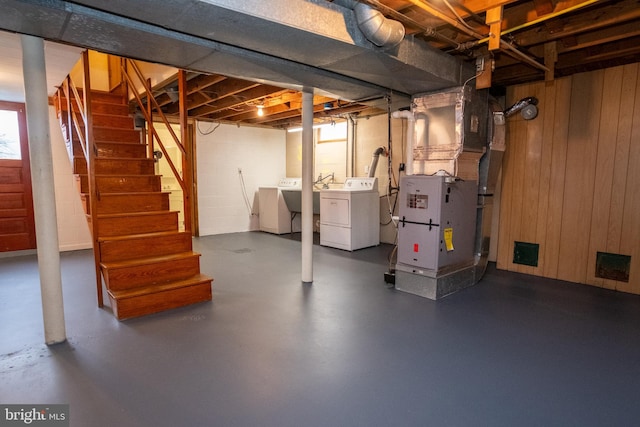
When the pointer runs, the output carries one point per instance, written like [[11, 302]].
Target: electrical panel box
[[436, 227]]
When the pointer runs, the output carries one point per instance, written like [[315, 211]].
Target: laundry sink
[[293, 199]]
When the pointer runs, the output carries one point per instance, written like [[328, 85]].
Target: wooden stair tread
[[119, 175], [139, 193], [148, 260], [139, 236], [119, 142], [132, 159], [136, 214], [196, 279]]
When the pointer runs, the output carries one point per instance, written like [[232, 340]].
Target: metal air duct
[[374, 25]]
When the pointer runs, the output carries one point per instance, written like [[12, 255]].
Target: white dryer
[[350, 216], [274, 214]]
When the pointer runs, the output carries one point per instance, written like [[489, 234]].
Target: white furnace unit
[[350, 216], [275, 217]]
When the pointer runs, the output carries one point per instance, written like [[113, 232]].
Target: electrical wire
[[471, 78], [462, 21], [391, 208], [208, 132], [244, 193]]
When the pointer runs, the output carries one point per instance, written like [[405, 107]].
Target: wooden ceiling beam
[[203, 81], [595, 38], [618, 14], [479, 6], [223, 89], [543, 7], [319, 114], [623, 48], [239, 98]]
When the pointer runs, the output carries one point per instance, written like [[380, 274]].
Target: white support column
[[307, 186], [44, 203]]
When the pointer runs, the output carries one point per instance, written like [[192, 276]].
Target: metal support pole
[[307, 186], [44, 202]]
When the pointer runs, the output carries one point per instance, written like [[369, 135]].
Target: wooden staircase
[[146, 262]]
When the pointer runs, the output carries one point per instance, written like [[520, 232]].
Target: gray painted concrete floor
[[513, 350]]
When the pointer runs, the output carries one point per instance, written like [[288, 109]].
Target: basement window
[[9, 135], [334, 132]]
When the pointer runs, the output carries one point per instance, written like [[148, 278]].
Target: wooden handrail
[[73, 119], [183, 180], [152, 98], [152, 129], [83, 126]]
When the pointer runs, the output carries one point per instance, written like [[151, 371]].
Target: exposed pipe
[[428, 31], [354, 136], [374, 161], [408, 167], [506, 47], [541, 19], [374, 25]]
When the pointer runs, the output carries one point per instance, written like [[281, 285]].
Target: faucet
[[320, 179]]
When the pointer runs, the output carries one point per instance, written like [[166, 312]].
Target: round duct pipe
[[374, 160], [378, 29]]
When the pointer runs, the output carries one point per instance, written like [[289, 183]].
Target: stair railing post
[[91, 164], [124, 86], [187, 175], [69, 117], [150, 146]]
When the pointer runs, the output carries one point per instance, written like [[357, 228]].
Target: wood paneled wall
[[571, 177]]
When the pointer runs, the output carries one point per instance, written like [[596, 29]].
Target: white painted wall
[[259, 153], [371, 133], [73, 230], [98, 73], [329, 157]]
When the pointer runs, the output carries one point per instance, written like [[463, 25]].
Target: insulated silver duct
[[374, 161], [374, 25], [489, 170]]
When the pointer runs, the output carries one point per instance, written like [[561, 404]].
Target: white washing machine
[[350, 216], [274, 214]]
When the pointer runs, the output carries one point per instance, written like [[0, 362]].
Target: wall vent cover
[[613, 266], [525, 253]]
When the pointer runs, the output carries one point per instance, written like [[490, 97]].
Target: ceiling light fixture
[[260, 110]]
